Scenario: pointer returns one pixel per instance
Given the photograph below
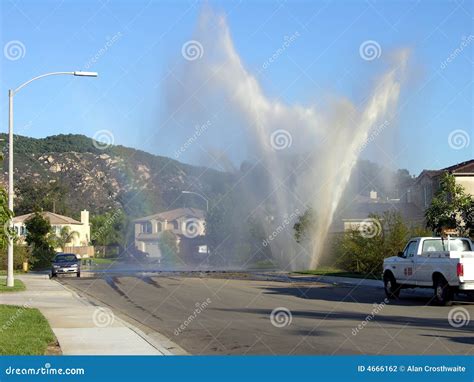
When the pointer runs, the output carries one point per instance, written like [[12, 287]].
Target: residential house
[[79, 243], [428, 182], [187, 224], [412, 205]]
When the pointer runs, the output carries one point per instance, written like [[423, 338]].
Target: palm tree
[[65, 236]]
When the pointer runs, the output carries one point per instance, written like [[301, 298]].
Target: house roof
[[173, 215], [463, 167], [466, 167], [52, 217]]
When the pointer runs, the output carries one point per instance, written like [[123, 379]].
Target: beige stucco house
[[79, 243], [427, 183], [188, 224]]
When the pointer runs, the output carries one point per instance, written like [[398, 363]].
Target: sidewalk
[[80, 327]]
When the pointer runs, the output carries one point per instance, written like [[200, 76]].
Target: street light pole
[[201, 196], [10, 280], [11, 94]]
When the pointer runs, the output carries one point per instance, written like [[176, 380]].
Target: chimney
[[85, 217]]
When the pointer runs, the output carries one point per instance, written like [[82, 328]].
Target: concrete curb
[[339, 280]]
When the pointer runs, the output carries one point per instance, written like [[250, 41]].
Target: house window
[[146, 227]]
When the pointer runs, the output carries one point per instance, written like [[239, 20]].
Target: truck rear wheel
[[392, 289], [443, 293]]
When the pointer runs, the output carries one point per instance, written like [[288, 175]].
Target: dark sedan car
[[65, 263]]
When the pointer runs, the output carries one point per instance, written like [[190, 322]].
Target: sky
[[137, 47]]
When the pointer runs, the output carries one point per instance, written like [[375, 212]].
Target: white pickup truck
[[445, 264]]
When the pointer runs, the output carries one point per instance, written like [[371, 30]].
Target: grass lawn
[[19, 286], [24, 331], [101, 260], [329, 271]]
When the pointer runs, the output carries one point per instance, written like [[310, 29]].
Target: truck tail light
[[460, 269]]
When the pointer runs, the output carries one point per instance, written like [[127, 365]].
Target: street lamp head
[[86, 74]]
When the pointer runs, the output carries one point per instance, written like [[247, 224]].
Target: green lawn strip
[[100, 260], [337, 273], [15, 272], [23, 331], [18, 286]]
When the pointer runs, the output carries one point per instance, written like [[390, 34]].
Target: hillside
[[68, 173]]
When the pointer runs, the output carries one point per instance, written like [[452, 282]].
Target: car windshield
[[65, 258], [438, 245]]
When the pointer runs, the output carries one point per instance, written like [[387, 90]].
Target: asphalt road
[[234, 316]]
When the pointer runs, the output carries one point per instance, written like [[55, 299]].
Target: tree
[[39, 240], [363, 251], [450, 208], [304, 224], [109, 229], [168, 247], [42, 196], [5, 216], [65, 236]]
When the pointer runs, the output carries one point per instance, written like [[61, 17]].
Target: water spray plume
[[329, 142]]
